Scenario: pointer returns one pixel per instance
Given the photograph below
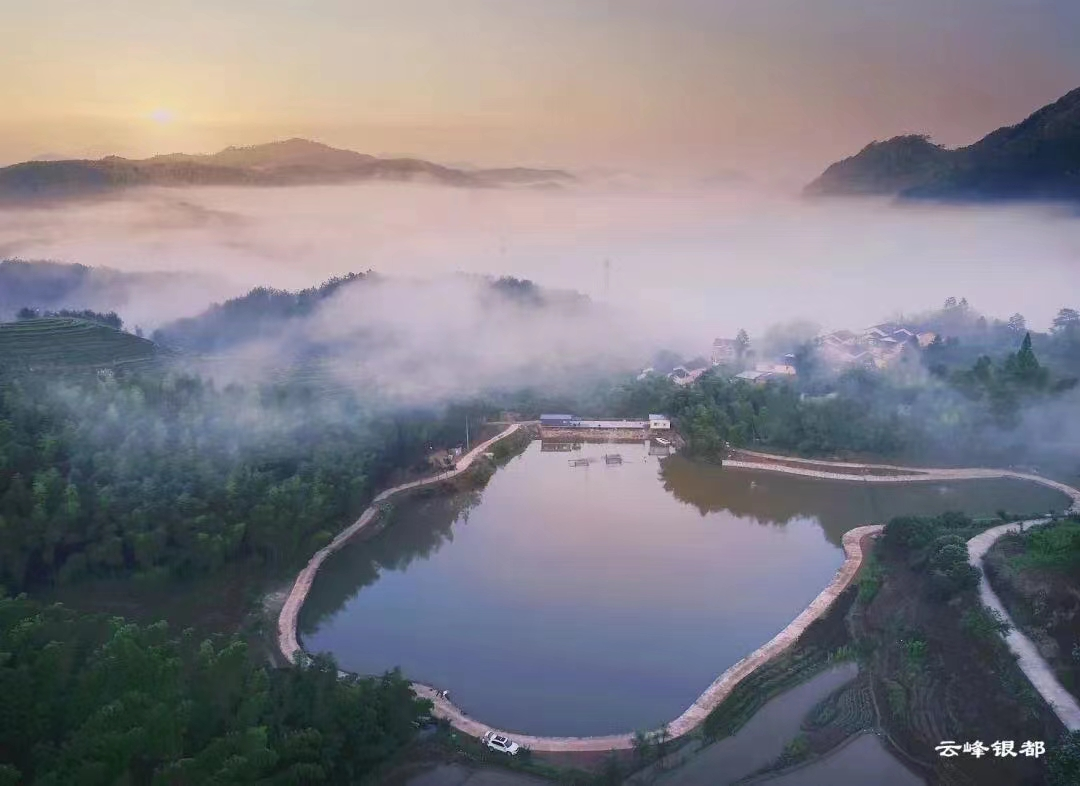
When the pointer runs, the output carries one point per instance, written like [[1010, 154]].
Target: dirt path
[[1063, 703]]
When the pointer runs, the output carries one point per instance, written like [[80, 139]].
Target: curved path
[[726, 682], [290, 611], [1063, 703], [1035, 668]]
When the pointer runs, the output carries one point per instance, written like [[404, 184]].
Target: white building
[[659, 423]]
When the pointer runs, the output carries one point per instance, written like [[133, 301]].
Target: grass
[[1054, 547], [38, 343]]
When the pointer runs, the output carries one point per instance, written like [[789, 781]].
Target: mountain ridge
[[289, 162], [1037, 158]]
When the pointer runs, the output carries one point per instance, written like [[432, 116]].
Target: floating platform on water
[[613, 458], [579, 462]]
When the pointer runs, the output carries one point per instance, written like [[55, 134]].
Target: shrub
[[984, 623]]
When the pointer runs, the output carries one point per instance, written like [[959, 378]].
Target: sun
[[162, 116]]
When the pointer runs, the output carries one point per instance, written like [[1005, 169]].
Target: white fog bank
[[689, 265]]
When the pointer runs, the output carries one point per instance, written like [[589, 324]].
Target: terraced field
[[46, 343]]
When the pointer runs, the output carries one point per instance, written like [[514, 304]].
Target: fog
[[685, 266]]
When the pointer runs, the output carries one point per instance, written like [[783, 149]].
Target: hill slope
[[288, 163], [1038, 158], [48, 343]]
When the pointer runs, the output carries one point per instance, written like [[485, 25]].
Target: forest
[[163, 475], [96, 701]]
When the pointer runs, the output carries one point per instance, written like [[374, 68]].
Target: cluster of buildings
[[727, 352], [877, 346]]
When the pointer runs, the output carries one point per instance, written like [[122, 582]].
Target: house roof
[[659, 417], [725, 342], [752, 376], [556, 417]]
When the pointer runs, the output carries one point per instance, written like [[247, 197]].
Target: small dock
[[613, 458], [583, 462]]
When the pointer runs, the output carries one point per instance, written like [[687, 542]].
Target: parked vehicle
[[498, 742]]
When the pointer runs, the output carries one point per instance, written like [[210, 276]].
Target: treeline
[[112, 319], [965, 334], [249, 316], [1002, 386], [96, 701], [165, 475], [901, 411], [717, 412]]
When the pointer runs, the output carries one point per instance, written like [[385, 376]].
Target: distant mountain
[[288, 163], [50, 286], [1036, 159]]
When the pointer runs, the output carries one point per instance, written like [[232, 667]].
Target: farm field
[[51, 342]]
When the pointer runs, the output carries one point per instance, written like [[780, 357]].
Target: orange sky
[[768, 86]]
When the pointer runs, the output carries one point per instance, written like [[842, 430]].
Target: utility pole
[[607, 276], [466, 433]]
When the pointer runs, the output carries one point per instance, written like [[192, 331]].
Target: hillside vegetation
[[60, 341]]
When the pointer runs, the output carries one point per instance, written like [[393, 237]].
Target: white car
[[498, 742]]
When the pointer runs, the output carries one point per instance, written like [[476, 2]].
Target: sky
[[773, 88]]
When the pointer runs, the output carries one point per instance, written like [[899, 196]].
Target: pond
[[602, 598]]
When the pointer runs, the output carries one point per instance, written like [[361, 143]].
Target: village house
[[756, 377], [725, 351], [680, 375], [782, 367], [659, 423], [876, 347]]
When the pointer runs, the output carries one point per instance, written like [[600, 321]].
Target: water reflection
[[777, 499], [416, 528]]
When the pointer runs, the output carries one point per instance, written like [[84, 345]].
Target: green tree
[[742, 343], [1067, 320]]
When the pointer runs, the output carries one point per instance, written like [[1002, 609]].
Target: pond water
[[597, 599]]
